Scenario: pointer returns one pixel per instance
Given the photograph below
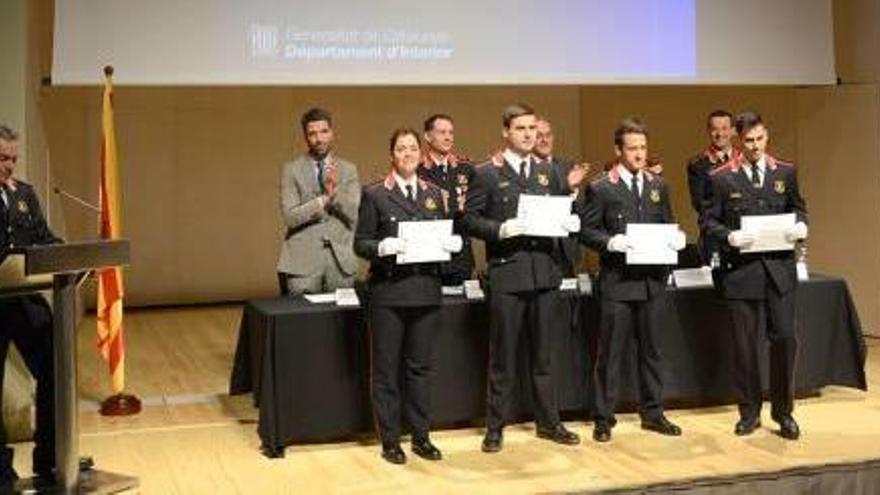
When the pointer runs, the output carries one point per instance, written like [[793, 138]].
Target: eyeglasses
[[8, 158]]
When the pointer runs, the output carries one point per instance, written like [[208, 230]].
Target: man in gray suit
[[320, 196]]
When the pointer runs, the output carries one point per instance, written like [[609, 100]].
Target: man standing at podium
[[320, 194], [25, 320]]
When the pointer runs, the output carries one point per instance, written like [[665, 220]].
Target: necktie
[[410, 193], [320, 165], [524, 170], [756, 176], [634, 189]]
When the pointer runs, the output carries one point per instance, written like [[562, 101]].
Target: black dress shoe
[[662, 426], [423, 448], [393, 453], [559, 434], [493, 441], [602, 432], [788, 428], [746, 426]]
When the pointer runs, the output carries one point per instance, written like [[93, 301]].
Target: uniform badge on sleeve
[[779, 186], [543, 180], [655, 196], [430, 204], [22, 206]]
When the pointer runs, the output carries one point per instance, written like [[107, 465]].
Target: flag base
[[121, 405]]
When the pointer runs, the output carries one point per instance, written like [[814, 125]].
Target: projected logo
[[265, 41]]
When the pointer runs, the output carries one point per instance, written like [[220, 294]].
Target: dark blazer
[[745, 276], [24, 223], [382, 206], [456, 182], [606, 207], [522, 263], [570, 249], [698, 168]]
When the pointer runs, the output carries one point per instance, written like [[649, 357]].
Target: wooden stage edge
[[192, 438]]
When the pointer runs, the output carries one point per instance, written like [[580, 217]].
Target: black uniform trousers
[[622, 322], [515, 315], [26, 321], [774, 316], [401, 341]]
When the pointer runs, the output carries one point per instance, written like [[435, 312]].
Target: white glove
[[740, 238], [797, 232], [572, 223], [618, 244], [452, 244], [511, 228], [677, 241], [391, 245]]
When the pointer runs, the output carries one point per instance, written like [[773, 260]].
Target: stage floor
[[192, 438]]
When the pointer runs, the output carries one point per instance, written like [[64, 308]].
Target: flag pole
[[110, 285]]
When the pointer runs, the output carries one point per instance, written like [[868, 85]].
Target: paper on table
[[650, 244], [325, 298], [769, 232], [423, 241], [543, 215], [693, 277]]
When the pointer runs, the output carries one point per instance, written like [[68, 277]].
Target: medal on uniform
[[503, 184], [779, 186], [735, 195], [430, 204], [655, 196], [462, 179], [22, 206], [543, 180]]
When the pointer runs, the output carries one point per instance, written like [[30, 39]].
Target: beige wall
[[200, 168], [200, 165]]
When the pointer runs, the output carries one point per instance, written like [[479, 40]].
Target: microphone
[[76, 199]]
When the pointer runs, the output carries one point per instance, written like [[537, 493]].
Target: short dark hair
[[401, 132], [718, 113], [629, 125], [429, 122], [7, 133], [746, 121], [315, 115], [514, 111]]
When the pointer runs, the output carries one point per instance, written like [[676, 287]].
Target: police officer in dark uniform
[[633, 297], [524, 276], [453, 174], [403, 300], [760, 287], [719, 126], [26, 320]]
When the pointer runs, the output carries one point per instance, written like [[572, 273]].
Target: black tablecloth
[[308, 365]]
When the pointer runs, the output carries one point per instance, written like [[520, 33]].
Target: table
[[308, 365]]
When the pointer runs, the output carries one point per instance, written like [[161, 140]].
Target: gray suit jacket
[[309, 226]]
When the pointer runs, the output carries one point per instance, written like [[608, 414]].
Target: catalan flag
[[110, 286]]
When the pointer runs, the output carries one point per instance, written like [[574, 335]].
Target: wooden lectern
[[69, 264]]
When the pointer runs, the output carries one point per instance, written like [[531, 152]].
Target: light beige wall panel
[[839, 171], [857, 40], [200, 168]]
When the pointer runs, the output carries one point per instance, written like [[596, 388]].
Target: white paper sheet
[[543, 215], [769, 231], [693, 277], [650, 244], [423, 241]]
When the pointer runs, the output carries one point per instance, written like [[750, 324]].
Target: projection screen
[[450, 42]]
